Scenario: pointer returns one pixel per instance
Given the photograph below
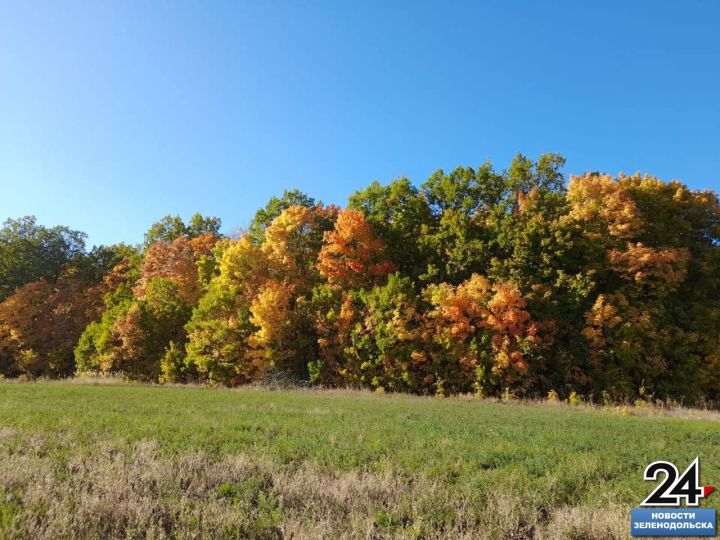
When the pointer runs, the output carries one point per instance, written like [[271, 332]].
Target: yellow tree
[[220, 328], [604, 207]]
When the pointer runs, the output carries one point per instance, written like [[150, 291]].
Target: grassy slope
[[371, 464]]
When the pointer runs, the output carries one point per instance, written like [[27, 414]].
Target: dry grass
[[61, 490], [645, 410]]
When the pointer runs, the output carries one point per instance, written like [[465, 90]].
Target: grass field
[[108, 461]]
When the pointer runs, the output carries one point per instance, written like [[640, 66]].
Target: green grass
[[439, 467]]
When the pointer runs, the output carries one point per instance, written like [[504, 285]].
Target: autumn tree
[[220, 327], [477, 280], [650, 237], [274, 207], [41, 322], [369, 336], [478, 335], [142, 332], [252, 320], [293, 240], [400, 215], [176, 260], [352, 255], [149, 330]]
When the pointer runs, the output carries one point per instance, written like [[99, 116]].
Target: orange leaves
[[352, 255], [475, 307], [601, 201], [511, 324], [666, 268], [202, 245], [461, 308], [131, 336], [602, 314], [292, 241], [174, 260], [507, 311], [119, 274], [601, 318], [41, 322]]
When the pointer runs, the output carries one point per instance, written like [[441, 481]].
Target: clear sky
[[115, 113]]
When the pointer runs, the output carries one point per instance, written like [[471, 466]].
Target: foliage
[[400, 215], [352, 256], [496, 282], [141, 333], [41, 322], [274, 207], [30, 252], [253, 319], [171, 227]]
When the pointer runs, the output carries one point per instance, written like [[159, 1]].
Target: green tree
[[29, 252], [401, 216], [171, 227]]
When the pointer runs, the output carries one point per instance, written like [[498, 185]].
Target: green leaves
[[29, 252], [171, 227], [476, 280]]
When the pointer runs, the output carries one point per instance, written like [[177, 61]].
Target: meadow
[[132, 461]]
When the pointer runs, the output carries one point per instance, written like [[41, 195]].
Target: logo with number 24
[[674, 488]]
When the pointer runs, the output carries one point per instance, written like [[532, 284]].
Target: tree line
[[477, 280]]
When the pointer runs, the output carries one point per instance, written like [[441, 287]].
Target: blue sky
[[113, 114]]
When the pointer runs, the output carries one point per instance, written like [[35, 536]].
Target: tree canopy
[[477, 280]]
